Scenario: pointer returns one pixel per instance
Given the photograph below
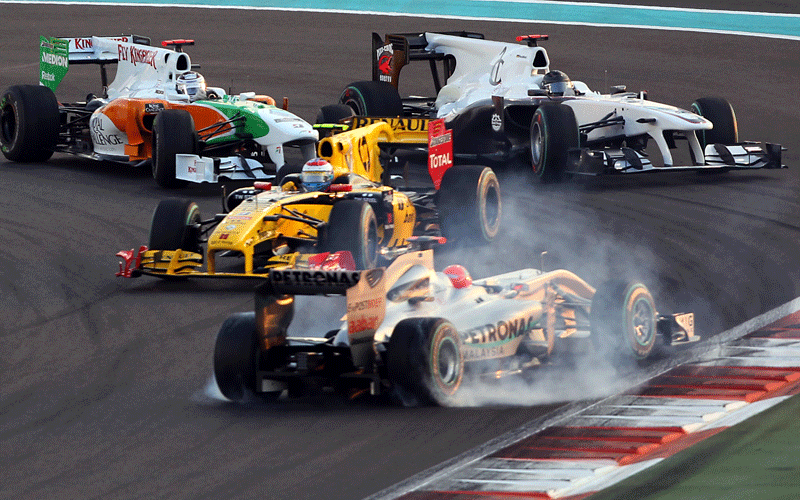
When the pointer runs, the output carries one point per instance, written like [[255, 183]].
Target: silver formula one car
[[421, 334], [505, 104]]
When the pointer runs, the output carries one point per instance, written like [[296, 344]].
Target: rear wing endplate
[[57, 53]]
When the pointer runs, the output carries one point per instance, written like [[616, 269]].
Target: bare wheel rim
[[643, 322], [537, 146], [448, 362]]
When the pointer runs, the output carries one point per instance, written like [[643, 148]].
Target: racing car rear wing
[[57, 53], [391, 53]]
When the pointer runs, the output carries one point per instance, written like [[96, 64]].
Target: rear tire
[[470, 206], [425, 361], [173, 133], [235, 356], [174, 226], [370, 98], [623, 317], [720, 113], [29, 123], [554, 131], [352, 226]]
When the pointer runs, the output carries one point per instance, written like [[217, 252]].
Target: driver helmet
[[557, 82], [192, 84], [317, 175], [458, 275]]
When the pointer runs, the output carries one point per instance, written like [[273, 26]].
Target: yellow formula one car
[[337, 203]]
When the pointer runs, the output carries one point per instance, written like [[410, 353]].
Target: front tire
[[173, 133], [175, 226], [720, 113], [469, 203], [29, 123], [554, 131], [425, 360], [623, 316], [332, 115], [235, 357], [370, 98], [352, 226]]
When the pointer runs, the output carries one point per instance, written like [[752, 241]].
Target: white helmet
[[192, 84], [317, 175]]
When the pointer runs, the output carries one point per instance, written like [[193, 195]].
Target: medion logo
[[55, 60]]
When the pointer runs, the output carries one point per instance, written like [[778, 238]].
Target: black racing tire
[[352, 226], [236, 357], [331, 115], [554, 131], [370, 98], [470, 205], [721, 114], [175, 226], [425, 360], [29, 123], [286, 169], [173, 133], [623, 320]]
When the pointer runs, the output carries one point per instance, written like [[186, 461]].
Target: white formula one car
[[503, 103], [421, 334], [155, 108]]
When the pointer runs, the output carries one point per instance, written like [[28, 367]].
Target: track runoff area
[[642, 443]]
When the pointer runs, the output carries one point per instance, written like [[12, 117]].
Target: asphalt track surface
[[103, 382]]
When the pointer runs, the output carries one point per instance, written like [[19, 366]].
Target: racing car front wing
[[194, 168], [742, 156]]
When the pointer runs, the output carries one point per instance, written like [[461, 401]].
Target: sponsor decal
[[440, 151], [494, 74], [136, 55], [56, 60], [223, 236], [497, 115], [98, 133], [153, 107], [85, 44], [363, 323], [365, 304], [53, 61], [397, 124], [230, 227], [385, 56], [313, 278], [502, 331], [497, 123]]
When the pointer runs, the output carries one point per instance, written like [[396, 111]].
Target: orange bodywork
[[130, 117]]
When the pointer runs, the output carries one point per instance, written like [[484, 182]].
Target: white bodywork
[[146, 72], [493, 316], [489, 68]]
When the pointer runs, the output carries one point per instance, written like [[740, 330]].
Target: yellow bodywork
[[252, 227], [357, 149]]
